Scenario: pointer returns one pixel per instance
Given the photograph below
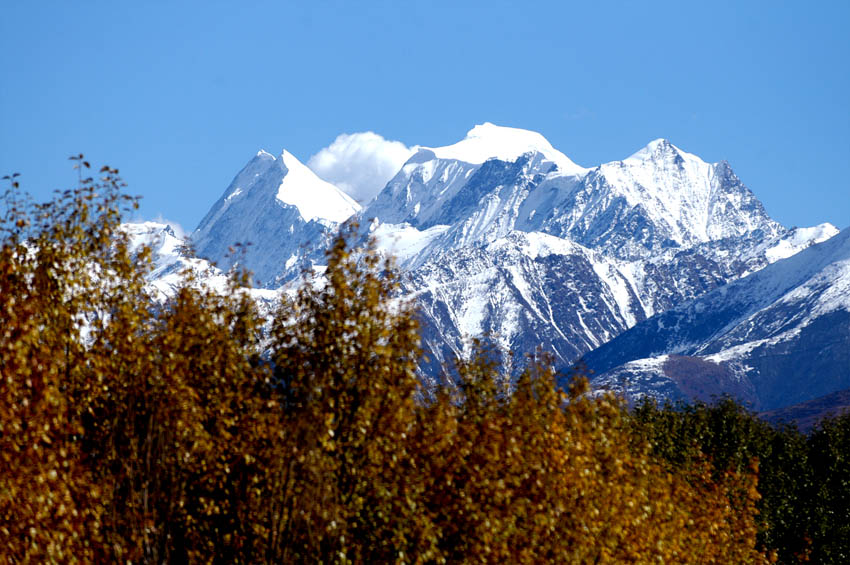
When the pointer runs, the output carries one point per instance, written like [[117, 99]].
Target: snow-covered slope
[[441, 185], [173, 261], [281, 209], [660, 227], [659, 198], [502, 234], [780, 335], [523, 290], [484, 186], [488, 141], [169, 256]]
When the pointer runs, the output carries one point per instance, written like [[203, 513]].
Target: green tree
[[829, 490], [731, 438]]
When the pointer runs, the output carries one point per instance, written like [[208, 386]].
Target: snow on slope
[[522, 290], [314, 198], [489, 141], [172, 261], [817, 275], [659, 198], [437, 186], [790, 319], [282, 210], [403, 241], [661, 166], [800, 238], [291, 183], [502, 233]]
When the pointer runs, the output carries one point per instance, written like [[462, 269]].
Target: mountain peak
[[314, 197], [278, 205], [686, 199], [659, 149], [488, 141]]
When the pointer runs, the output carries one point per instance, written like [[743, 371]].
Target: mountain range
[[662, 272]]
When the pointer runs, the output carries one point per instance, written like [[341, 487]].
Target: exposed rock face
[[781, 333], [501, 234], [281, 211]]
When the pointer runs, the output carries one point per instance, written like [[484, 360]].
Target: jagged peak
[[264, 155], [659, 149]]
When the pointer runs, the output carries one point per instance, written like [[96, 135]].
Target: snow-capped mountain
[[502, 234], [169, 256], [622, 241], [777, 337], [281, 210], [439, 186], [172, 260], [660, 197]]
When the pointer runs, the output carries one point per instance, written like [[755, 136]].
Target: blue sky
[[179, 95]]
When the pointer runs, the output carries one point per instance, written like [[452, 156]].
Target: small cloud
[[178, 229], [360, 164]]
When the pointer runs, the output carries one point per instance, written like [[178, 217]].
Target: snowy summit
[[314, 198], [502, 234], [278, 207], [489, 141]]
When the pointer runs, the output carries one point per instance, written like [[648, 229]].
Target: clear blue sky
[[179, 95]]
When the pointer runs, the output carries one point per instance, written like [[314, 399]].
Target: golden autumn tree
[[52, 262], [345, 352], [542, 476], [132, 429], [194, 430], [181, 428]]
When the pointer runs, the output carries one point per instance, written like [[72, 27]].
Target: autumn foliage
[[192, 430]]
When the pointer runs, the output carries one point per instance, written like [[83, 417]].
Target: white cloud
[[360, 163]]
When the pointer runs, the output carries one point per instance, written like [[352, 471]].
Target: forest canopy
[[195, 430]]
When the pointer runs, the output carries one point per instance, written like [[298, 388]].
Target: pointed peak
[[658, 149], [290, 162], [288, 158], [264, 155], [661, 143], [314, 197], [651, 149]]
